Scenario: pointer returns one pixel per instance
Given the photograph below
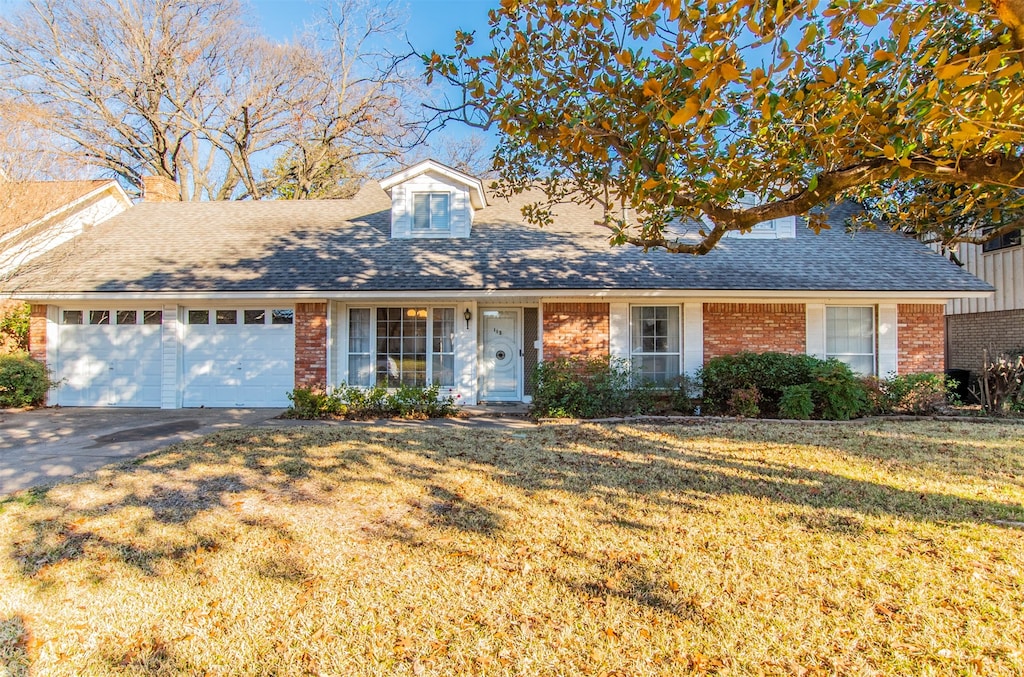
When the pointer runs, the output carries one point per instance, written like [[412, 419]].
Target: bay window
[[395, 346]]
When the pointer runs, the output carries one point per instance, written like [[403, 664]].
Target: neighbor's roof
[[345, 246], [22, 202]]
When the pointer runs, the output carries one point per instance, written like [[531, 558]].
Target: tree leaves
[[653, 105]]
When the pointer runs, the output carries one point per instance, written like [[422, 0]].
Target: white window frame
[[678, 353], [874, 338], [373, 355], [212, 310], [431, 227], [113, 314]]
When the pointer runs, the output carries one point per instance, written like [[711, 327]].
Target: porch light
[[468, 316]]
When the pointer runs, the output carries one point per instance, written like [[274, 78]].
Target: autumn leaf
[[686, 113], [729, 72], [868, 17]]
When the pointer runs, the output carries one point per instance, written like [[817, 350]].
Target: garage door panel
[[238, 365], [104, 365]]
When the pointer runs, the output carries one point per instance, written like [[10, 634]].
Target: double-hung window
[[655, 343], [850, 337], [398, 346], [431, 212]]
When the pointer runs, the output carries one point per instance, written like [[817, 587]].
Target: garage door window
[[126, 317], [199, 317], [255, 317], [152, 317], [99, 317], [282, 316], [227, 317], [72, 317]]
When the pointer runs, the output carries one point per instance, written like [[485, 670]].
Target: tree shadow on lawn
[[978, 450], [682, 470], [677, 468], [169, 489], [15, 638]]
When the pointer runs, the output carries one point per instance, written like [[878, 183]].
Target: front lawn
[[747, 548]]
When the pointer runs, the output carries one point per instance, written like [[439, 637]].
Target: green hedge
[[23, 381], [773, 385], [587, 388], [376, 402]]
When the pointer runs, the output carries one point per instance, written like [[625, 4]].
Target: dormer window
[[431, 212], [432, 201]]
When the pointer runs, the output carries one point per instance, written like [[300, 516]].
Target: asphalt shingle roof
[[345, 245]]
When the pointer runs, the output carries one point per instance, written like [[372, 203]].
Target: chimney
[[159, 189]]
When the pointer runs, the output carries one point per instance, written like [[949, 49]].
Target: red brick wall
[[921, 338], [37, 333], [310, 345], [575, 330], [757, 327]]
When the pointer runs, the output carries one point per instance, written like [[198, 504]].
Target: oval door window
[[500, 355]]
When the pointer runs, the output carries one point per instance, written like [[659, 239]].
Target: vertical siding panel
[[618, 330], [693, 337], [1017, 279], [816, 330]]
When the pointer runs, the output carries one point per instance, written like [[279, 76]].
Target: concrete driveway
[[44, 446]]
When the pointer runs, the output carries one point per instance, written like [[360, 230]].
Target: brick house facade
[[755, 327], [422, 279]]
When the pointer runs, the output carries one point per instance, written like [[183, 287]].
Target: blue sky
[[431, 23], [430, 26]]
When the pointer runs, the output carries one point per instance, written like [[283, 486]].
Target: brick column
[[921, 334], [575, 330], [310, 345], [37, 333], [756, 327]]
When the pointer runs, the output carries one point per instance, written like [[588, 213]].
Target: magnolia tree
[[730, 113]]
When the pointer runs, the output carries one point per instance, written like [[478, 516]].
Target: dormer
[[432, 200], [773, 229]]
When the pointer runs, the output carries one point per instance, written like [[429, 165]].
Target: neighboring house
[[994, 323], [38, 216], [425, 278]]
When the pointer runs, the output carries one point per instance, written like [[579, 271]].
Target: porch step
[[497, 410]]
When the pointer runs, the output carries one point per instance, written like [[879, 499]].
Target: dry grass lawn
[[567, 550]]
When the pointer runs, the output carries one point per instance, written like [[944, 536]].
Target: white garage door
[[238, 357], [108, 357]]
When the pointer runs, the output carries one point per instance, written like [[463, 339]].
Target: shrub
[[797, 402], [312, 403], [23, 381], [684, 397], [745, 402], [838, 394], [376, 402], [919, 394], [769, 373], [876, 400], [730, 381], [588, 388], [14, 324]]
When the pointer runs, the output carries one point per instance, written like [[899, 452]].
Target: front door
[[500, 360]]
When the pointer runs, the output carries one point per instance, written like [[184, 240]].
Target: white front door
[[500, 359]]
